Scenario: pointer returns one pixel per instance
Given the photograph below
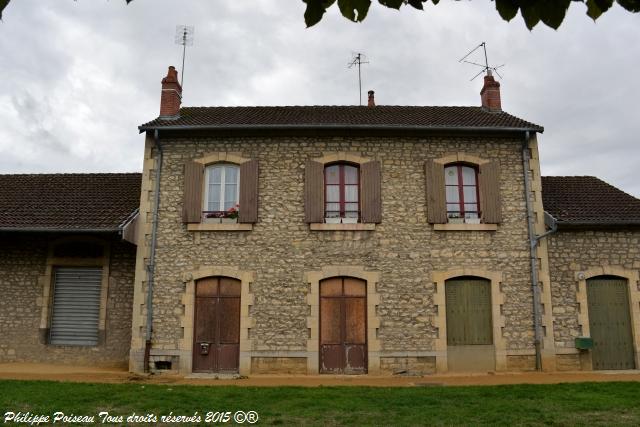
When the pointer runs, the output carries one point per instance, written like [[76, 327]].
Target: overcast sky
[[78, 77]]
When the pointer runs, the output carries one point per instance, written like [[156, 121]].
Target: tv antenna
[[358, 60], [184, 37], [485, 68]]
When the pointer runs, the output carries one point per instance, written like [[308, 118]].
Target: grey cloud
[[103, 62]]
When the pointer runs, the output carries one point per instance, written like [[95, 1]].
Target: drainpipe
[[552, 223], [152, 256]]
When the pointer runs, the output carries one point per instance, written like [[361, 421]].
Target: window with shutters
[[222, 191], [462, 195], [341, 193]]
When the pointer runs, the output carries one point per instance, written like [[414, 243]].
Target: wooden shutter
[[435, 193], [192, 196], [314, 192], [76, 306], [249, 192], [370, 199], [468, 304], [490, 204]]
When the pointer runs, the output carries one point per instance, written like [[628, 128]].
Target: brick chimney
[[171, 94], [490, 93], [372, 101]]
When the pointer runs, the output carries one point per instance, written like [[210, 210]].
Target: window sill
[[219, 227], [316, 226], [465, 227]]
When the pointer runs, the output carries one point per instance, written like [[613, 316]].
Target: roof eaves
[[143, 128], [58, 230]]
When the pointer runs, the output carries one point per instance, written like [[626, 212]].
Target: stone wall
[[571, 252], [24, 265], [404, 249]]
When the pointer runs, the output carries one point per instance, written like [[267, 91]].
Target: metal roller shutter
[[76, 306]]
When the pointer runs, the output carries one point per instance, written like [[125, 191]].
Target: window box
[[332, 220], [456, 221], [472, 221], [229, 220], [211, 220]]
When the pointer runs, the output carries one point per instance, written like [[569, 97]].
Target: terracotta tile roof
[[67, 202], [584, 200], [343, 116]]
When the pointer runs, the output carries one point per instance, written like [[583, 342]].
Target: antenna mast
[[485, 68], [184, 37], [358, 61]]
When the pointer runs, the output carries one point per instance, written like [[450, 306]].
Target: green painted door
[[610, 323], [468, 303]]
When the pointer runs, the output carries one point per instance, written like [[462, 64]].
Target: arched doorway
[[469, 324], [343, 326], [216, 331], [610, 323]]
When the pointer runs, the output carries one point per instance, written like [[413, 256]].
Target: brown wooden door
[[216, 339], [343, 326], [610, 323]]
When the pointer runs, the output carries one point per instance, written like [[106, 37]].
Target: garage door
[[76, 306]]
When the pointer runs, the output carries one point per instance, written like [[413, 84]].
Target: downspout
[[533, 245], [152, 256]]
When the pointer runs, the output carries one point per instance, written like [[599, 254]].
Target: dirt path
[[29, 371]]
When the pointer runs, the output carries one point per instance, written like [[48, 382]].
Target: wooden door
[[343, 326], [216, 336], [468, 312], [610, 323]]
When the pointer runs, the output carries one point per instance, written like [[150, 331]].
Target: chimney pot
[[171, 95], [372, 101], [490, 93]]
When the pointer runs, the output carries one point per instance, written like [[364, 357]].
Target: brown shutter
[[248, 192], [314, 192], [435, 193], [370, 199], [490, 205], [192, 196]]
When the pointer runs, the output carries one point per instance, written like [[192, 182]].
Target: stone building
[[329, 239], [324, 239], [66, 267]]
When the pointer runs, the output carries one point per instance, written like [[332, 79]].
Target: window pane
[[351, 193], [470, 194], [351, 207], [471, 215], [333, 193], [468, 176], [453, 194], [230, 196], [231, 175], [213, 197], [451, 207], [332, 210], [470, 207], [332, 174], [215, 174], [350, 174], [451, 175]]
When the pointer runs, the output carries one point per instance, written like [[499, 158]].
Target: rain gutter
[[144, 128], [152, 256]]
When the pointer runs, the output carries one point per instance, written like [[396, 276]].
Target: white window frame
[[222, 184]]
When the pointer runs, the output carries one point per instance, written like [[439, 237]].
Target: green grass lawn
[[615, 403]]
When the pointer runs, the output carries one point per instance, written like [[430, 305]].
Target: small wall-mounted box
[[584, 343]]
